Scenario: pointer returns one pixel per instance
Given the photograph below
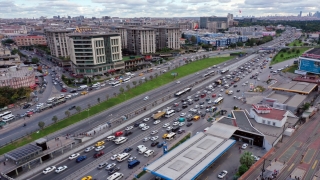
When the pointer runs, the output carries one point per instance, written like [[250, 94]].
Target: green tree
[[114, 94], [78, 109], [121, 90], [128, 87], [90, 81], [67, 113], [193, 39], [281, 55], [41, 124], [35, 60], [107, 97], [151, 77], [134, 83], [242, 169], [98, 99], [247, 159], [8, 41], [55, 119], [140, 82], [63, 77], [297, 51], [89, 106], [306, 106], [156, 75]]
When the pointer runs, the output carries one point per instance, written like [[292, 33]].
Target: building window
[[269, 122], [264, 121], [273, 123]]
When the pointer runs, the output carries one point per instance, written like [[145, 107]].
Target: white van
[[228, 76], [51, 100], [110, 138], [123, 156], [82, 87], [120, 140], [142, 150], [148, 153], [8, 118], [115, 176]]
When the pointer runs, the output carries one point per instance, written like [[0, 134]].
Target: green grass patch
[[291, 69], [126, 58], [284, 55], [296, 43], [119, 98], [181, 141]]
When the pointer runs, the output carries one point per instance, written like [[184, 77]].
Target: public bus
[[5, 114], [210, 73], [219, 100], [224, 71], [170, 136], [169, 113], [115, 83], [179, 93]]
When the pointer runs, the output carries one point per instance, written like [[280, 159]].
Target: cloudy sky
[[153, 8]]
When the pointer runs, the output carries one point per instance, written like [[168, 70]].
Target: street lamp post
[[262, 170]]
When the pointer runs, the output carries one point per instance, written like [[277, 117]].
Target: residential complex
[[57, 42], [17, 76], [30, 40], [141, 40], [215, 24], [94, 54]]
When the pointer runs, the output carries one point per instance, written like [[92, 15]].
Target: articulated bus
[[218, 100], [126, 80], [224, 71], [5, 114], [210, 73], [115, 83], [182, 92]]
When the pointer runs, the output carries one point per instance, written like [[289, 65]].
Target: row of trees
[[246, 161], [10, 95]]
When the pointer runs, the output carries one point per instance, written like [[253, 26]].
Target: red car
[[98, 154], [64, 90], [214, 95], [119, 133]]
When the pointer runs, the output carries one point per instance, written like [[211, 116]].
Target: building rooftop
[[294, 86], [12, 72], [279, 97], [315, 51], [275, 114], [59, 30], [296, 100], [93, 34], [242, 121], [191, 158]]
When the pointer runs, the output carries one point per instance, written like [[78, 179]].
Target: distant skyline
[[154, 8]]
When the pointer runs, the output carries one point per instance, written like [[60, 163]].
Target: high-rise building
[[167, 37], [123, 34], [95, 54], [217, 22], [141, 40], [57, 42], [300, 14]]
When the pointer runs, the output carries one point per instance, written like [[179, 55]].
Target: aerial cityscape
[[165, 90]]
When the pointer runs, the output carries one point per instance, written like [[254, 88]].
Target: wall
[[260, 119], [309, 65]]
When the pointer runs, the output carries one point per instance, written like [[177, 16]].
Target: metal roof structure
[[24, 153], [294, 86], [191, 158]]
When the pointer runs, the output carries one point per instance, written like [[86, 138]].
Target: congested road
[[16, 130]]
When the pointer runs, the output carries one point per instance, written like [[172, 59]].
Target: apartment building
[[16, 77], [167, 37], [123, 34], [30, 40], [57, 41], [215, 24], [95, 54], [141, 40]]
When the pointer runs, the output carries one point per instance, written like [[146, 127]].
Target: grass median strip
[[287, 54], [156, 82]]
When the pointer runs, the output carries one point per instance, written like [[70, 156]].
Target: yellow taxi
[[141, 74], [84, 92], [164, 136], [100, 143], [87, 178]]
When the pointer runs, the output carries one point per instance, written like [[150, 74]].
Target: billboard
[[309, 66]]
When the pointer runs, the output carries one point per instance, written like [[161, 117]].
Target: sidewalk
[[149, 176]]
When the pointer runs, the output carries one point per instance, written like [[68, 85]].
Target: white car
[[129, 128], [175, 124], [61, 168], [99, 148], [244, 146], [110, 138], [157, 122], [182, 124], [145, 128], [88, 149], [209, 102], [146, 139], [222, 174], [146, 119], [154, 138], [48, 169], [166, 125], [178, 82], [182, 114], [75, 94], [143, 78], [142, 125], [114, 157], [110, 166], [72, 156], [220, 95], [146, 98], [221, 90], [154, 132], [132, 158], [255, 157], [169, 128]]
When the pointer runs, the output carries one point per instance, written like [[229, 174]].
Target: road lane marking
[[291, 167], [229, 156], [314, 164], [215, 168]]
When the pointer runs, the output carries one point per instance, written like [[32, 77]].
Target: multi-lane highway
[[16, 130]]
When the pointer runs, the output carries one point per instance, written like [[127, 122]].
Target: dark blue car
[[160, 145], [81, 158]]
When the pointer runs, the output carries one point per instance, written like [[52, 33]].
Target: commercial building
[[95, 54], [30, 40], [57, 42], [295, 87], [215, 24], [310, 61], [141, 40], [167, 37], [17, 76]]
